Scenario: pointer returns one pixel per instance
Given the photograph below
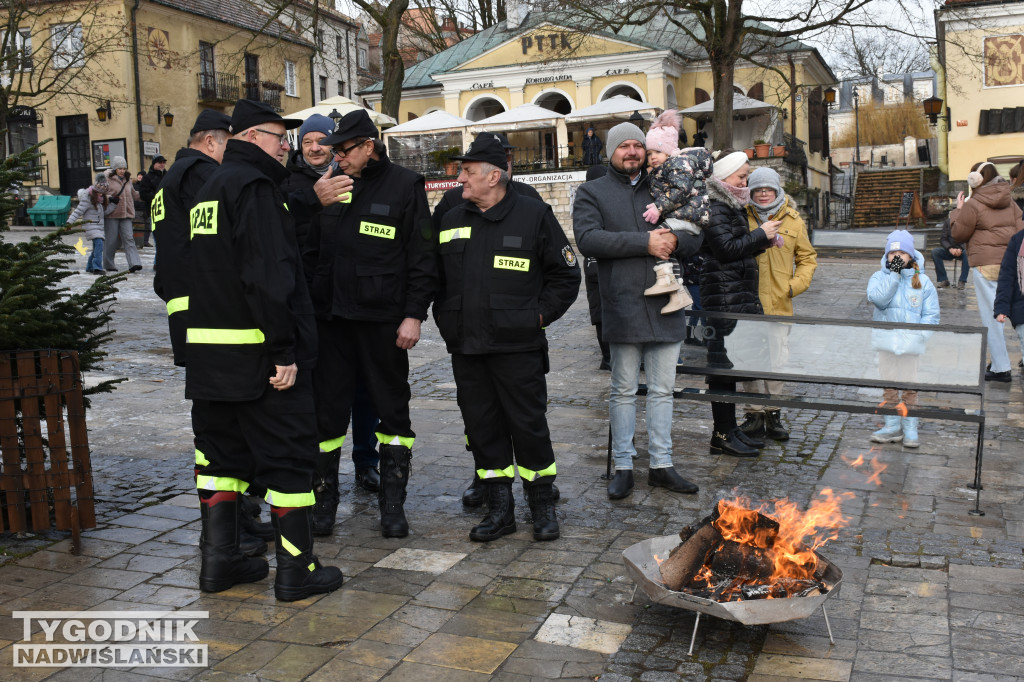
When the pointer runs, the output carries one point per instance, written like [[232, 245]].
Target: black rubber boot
[[299, 573], [542, 507], [501, 513], [224, 565], [773, 427], [395, 462], [556, 494], [251, 524], [621, 484], [730, 444], [474, 494], [325, 490]]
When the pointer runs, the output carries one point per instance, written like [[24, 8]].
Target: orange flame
[[791, 548], [658, 560], [853, 462], [876, 471], [902, 410]]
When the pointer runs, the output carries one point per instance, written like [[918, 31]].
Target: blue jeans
[[660, 367], [95, 261], [985, 292], [940, 254]]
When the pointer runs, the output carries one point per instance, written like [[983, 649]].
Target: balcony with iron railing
[[218, 87], [267, 92]]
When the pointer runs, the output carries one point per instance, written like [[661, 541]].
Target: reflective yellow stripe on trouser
[[278, 499], [530, 475], [201, 460], [222, 483], [507, 472], [385, 439], [176, 305], [332, 444]]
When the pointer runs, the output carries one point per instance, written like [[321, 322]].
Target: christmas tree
[[37, 310]]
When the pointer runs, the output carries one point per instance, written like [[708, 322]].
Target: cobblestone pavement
[[929, 592]]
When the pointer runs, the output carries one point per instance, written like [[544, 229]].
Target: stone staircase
[[877, 195]]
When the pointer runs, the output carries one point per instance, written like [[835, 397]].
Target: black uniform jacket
[[371, 258], [169, 211], [249, 308], [501, 270], [453, 198], [298, 187]]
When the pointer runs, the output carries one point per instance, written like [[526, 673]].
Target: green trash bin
[[50, 210]]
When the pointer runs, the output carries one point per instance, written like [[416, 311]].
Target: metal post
[[856, 127], [827, 626], [977, 473], [693, 637]]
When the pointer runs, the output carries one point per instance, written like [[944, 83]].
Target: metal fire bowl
[[642, 567]]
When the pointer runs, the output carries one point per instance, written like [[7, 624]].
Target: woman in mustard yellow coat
[[784, 272]]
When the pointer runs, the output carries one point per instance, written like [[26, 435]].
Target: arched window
[[756, 91], [484, 107], [700, 96], [626, 89], [555, 100]]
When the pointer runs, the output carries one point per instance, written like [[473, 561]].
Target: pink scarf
[[740, 194]]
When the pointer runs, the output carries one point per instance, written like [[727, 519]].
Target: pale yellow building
[[147, 79], [981, 81], [546, 60]]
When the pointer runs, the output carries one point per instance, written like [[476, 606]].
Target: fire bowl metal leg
[[827, 626], [632, 597], [693, 637]]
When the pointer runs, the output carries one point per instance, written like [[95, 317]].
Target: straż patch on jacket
[[569, 255]]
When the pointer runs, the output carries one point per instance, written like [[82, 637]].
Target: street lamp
[[636, 119], [103, 112], [933, 110], [856, 127]]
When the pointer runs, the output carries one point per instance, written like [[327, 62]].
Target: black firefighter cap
[[487, 147], [352, 125], [249, 113], [210, 119]]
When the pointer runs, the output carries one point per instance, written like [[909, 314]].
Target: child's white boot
[[679, 299], [666, 282]]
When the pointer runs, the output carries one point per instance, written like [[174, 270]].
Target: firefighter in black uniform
[[251, 346], [372, 277], [473, 496], [507, 270]]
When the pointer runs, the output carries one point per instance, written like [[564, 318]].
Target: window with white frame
[[21, 47], [290, 82], [339, 47], [362, 58], [66, 41]]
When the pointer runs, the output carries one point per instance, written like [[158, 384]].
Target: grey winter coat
[[608, 224], [93, 215]]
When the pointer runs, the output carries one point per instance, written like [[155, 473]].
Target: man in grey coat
[[609, 226]]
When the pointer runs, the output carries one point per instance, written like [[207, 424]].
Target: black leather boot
[[773, 427], [251, 524], [753, 425], [368, 479], [325, 490], [501, 513], [395, 462], [730, 444], [299, 573], [224, 565], [542, 507], [669, 479], [621, 484], [556, 494], [474, 494]]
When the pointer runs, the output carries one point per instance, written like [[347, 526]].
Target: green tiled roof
[[658, 34]]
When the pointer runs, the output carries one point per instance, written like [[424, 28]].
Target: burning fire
[[791, 545]]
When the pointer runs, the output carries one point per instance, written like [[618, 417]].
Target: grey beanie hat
[[118, 162], [765, 177], [621, 133]]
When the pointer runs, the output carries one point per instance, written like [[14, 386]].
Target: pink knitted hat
[[664, 133]]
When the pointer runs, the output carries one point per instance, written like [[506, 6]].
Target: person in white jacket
[[92, 206], [901, 293]]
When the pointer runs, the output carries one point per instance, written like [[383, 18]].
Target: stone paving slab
[[929, 591]]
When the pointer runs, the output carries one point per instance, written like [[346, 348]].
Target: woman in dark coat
[[1009, 302], [729, 283], [591, 148]]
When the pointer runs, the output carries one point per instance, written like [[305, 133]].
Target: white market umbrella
[[343, 105], [741, 106], [523, 117], [432, 122], [610, 108]]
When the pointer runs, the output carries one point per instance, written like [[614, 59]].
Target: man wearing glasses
[[251, 347], [372, 277]]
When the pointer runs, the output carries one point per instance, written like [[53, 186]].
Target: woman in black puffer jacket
[[729, 283]]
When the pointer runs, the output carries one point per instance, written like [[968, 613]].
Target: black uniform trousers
[[349, 349], [503, 398], [269, 442]]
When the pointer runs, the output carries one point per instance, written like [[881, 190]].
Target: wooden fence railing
[[44, 443]]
